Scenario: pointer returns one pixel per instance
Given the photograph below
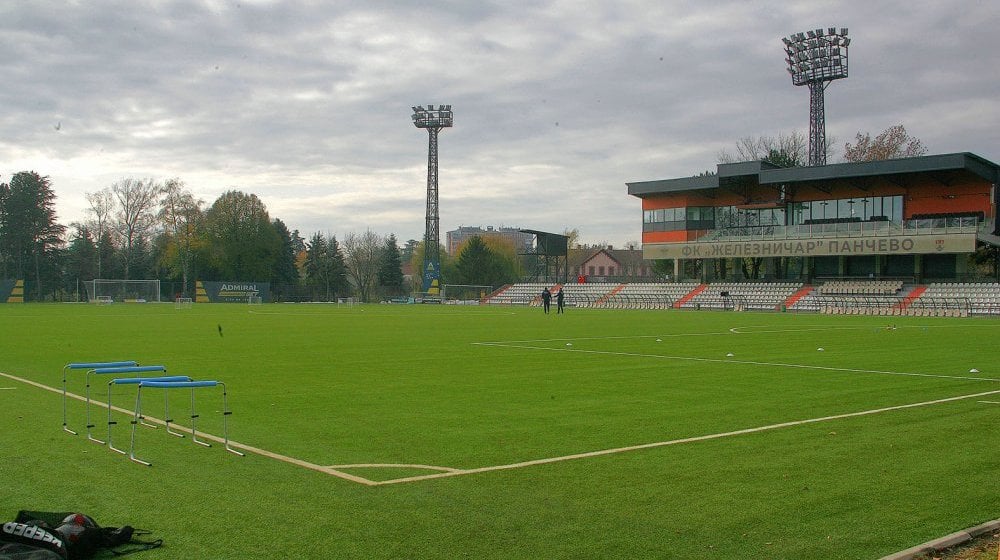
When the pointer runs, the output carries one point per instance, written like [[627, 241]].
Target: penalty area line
[[694, 439]]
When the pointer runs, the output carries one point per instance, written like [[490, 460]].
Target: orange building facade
[[914, 218]]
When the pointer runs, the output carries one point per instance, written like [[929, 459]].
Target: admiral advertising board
[[231, 292]]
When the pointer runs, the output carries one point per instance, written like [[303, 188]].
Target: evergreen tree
[[477, 264], [390, 273], [285, 273], [338, 267], [30, 238], [317, 267]]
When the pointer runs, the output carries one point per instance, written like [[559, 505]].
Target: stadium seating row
[[875, 297]]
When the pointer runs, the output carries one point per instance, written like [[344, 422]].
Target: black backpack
[[82, 537]]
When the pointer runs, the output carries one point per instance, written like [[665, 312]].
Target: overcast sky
[[557, 103]]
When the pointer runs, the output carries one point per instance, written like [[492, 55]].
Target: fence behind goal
[[106, 290]]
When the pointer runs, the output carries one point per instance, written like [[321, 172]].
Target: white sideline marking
[[236, 444], [394, 466], [7, 388], [989, 402], [679, 441], [449, 471], [732, 361]]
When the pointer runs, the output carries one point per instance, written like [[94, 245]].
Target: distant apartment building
[[522, 241]]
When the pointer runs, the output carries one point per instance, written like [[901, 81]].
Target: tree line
[[145, 229]]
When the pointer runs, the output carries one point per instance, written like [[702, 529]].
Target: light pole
[[433, 120], [815, 59]]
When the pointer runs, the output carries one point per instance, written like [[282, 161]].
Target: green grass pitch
[[467, 432]]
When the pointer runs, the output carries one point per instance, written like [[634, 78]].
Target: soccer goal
[[183, 303], [135, 291]]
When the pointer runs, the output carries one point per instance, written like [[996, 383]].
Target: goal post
[[117, 290]]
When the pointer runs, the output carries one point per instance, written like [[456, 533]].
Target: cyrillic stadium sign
[[813, 247], [231, 292]]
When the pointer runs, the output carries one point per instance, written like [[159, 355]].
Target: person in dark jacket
[[546, 299], [560, 301]]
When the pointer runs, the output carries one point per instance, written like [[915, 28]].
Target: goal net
[[139, 291]]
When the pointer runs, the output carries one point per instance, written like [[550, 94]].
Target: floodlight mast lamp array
[[433, 119], [815, 58]]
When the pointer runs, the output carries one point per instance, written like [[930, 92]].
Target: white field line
[[680, 441], [7, 388], [734, 361], [234, 444], [395, 466], [448, 471], [989, 402]]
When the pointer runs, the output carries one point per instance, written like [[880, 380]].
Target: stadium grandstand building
[[521, 240], [916, 218]]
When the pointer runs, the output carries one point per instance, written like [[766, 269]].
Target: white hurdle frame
[[87, 366], [114, 371], [194, 416], [166, 402]]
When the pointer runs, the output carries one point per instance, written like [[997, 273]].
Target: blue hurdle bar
[[194, 416], [136, 381], [115, 371], [87, 365]]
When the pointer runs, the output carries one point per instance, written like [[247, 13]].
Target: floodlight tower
[[815, 59], [433, 120]]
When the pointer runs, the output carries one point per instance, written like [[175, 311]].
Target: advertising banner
[[11, 291], [232, 292], [814, 247]]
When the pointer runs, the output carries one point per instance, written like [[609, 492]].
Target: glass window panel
[[658, 217], [865, 208], [876, 207], [647, 216], [897, 209], [819, 209], [692, 213], [844, 207]]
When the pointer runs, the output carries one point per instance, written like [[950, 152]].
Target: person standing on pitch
[[559, 301], [546, 299]]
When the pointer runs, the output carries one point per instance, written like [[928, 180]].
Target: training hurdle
[[194, 416], [87, 366], [166, 402], [116, 371]]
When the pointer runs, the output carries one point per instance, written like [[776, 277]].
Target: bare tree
[[892, 143], [102, 203], [137, 199], [790, 150], [362, 255], [181, 216]]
